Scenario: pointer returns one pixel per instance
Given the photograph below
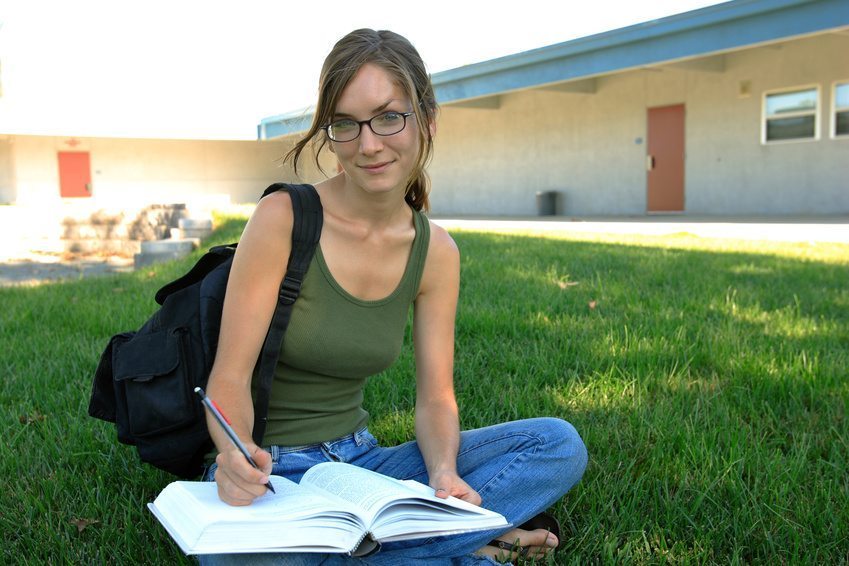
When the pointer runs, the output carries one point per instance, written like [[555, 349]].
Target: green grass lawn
[[707, 377]]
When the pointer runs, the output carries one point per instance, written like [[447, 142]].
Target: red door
[[665, 159], [74, 174]]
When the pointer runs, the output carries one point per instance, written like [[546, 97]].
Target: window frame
[[816, 113], [833, 122]]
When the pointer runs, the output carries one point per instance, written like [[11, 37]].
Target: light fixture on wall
[[745, 89]]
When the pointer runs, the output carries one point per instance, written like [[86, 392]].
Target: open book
[[337, 507]]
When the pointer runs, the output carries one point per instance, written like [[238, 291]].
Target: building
[[741, 108], [125, 172]]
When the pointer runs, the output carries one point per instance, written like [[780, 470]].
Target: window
[[840, 116], [791, 115]]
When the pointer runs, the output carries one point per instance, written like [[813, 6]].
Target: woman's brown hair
[[396, 55]]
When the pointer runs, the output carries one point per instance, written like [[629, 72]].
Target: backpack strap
[[210, 260], [306, 231]]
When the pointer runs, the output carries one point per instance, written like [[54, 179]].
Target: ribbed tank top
[[334, 342]]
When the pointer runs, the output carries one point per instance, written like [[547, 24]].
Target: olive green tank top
[[334, 342]]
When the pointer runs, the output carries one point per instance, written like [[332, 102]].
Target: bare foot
[[528, 544]]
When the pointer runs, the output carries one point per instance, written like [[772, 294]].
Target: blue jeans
[[519, 469]]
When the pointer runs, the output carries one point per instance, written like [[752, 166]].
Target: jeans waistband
[[358, 437]]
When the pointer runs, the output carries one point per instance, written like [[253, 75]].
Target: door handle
[[649, 162]]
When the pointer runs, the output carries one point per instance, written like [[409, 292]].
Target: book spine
[[366, 546]]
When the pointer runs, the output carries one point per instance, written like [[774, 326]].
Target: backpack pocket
[[102, 401], [154, 371]]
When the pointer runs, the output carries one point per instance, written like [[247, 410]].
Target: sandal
[[541, 521]]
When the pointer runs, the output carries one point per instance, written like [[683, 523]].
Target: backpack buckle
[[289, 290]]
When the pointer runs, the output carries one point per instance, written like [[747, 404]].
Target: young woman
[[377, 256]]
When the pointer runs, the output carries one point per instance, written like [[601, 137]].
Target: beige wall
[[591, 148], [308, 172], [142, 171], [7, 172]]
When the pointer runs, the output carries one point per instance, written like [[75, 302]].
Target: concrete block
[[145, 259], [195, 224], [199, 234], [109, 246], [168, 246]]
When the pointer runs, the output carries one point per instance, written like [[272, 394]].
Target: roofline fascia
[[652, 29], [676, 37]]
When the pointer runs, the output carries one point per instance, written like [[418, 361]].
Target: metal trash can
[[546, 203]]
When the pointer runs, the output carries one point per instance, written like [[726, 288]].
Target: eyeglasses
[[385, 124]]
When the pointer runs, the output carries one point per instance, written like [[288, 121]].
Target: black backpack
[[145, 380]]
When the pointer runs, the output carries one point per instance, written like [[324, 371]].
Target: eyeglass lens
[[384, 124]]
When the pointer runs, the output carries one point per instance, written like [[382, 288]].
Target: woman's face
[[376, 164]]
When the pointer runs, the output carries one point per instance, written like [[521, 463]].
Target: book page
[[399, 509], [332, 509], [367, 490], [428, 515], [290, 501], [293, 519]]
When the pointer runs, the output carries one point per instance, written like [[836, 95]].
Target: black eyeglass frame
[[361, 123]]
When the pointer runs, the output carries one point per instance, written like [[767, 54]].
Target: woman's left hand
[[449, 483]]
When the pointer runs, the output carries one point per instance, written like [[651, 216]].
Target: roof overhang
[[695, 39]]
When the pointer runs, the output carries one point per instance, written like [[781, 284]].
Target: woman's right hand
[[239, 483]]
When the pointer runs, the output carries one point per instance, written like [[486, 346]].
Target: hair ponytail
[[418, 193]]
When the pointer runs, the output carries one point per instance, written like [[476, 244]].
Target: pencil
[[225, 424]]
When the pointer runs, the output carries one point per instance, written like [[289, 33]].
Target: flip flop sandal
[[541, 521]]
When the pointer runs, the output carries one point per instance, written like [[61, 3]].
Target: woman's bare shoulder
[[443, 261], [268, 233], [276, 207], [442, 245]]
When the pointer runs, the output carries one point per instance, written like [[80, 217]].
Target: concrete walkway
[[833, 229], [41, 268], [21, 266]]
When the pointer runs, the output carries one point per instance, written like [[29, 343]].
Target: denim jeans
[[519, 469]]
